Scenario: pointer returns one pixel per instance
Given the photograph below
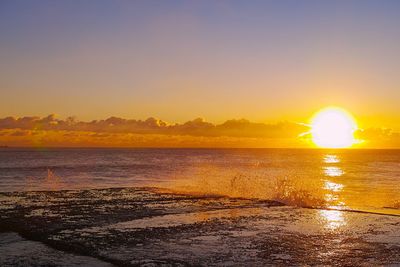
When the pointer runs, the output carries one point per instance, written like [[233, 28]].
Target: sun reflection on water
[[333, 186], [333, 171], [331, 159], [333, 219]]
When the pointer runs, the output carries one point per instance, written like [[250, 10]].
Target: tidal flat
[[146, 226]]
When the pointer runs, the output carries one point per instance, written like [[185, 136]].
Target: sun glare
[[333, 128]]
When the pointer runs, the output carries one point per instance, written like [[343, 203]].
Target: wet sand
[[151, 227]]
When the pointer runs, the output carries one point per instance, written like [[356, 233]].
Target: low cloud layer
[[119, 132], [197, 127]]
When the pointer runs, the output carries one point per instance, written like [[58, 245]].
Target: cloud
[[196, 127], [379, 137], [152, 132], [20, 133], [375, 133]]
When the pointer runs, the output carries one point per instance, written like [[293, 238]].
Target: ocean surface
[[348, 179]]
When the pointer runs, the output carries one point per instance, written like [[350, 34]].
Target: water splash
[[50, 182], [396, 204], [255, 184]]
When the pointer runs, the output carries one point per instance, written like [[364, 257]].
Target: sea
[[344, 179]]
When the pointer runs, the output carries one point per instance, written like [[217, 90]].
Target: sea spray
[[50, 181], [254, 183], [363, 180]]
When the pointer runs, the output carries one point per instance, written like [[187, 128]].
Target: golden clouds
[[51, 138], [119, 132], [196, 127]]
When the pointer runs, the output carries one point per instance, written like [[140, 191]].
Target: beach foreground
[[152, 227]]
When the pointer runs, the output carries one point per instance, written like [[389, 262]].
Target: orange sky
[[266, 61]]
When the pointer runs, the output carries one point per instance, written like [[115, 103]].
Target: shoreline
[[167, 190]]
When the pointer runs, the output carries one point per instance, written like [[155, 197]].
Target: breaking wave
[[254, 185]]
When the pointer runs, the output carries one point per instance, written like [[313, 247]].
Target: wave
[[289, 188], [395, 205], [252, 185]]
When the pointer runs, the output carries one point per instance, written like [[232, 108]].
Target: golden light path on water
[[333, 219], [333, 171]]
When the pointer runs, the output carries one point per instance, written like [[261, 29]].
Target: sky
[[265, 61]]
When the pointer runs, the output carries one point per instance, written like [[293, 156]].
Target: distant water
[[367, 180]]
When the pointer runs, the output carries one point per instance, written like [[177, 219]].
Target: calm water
[[346, 179]]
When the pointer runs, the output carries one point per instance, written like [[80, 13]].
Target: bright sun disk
[[333, 128]]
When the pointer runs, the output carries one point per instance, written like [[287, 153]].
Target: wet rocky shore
[[155, 227]]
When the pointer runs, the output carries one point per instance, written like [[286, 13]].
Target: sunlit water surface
[[365, 180]]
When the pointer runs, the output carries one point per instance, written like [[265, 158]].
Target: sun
[[333, 127]]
